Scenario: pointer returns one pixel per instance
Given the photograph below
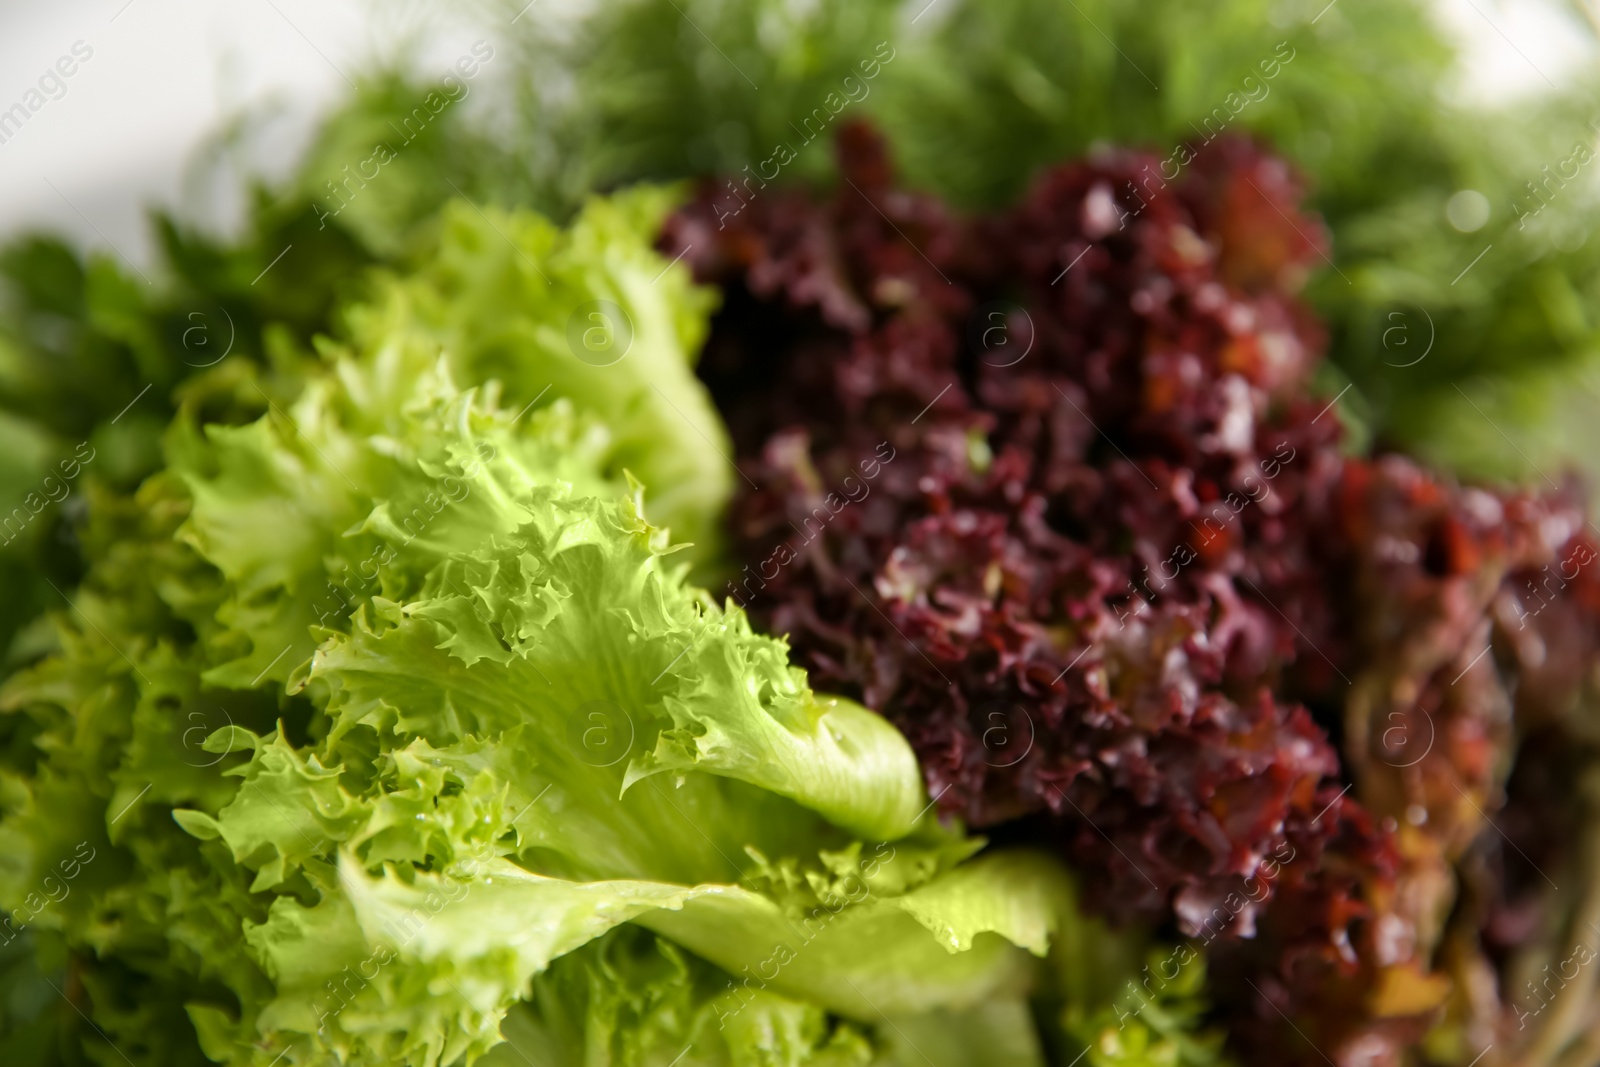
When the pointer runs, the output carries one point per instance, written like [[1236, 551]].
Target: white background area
[[167, 74], [165, 77]]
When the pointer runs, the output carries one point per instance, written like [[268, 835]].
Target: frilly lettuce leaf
[[820, 953], [494, 298], [589, 312]]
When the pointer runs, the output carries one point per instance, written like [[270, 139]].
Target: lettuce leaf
[[590, 313], [630, 999]]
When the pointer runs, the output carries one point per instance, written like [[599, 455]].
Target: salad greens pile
[[361, 698], [386, 726]]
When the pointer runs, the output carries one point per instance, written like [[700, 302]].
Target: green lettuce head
[[394, 730]]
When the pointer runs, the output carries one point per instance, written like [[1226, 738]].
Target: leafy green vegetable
[[631, 997], [621, 999], [483, 301], [375, 707], [591, 313]]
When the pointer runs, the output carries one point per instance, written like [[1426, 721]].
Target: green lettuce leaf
[[589, 312], [632, 999]]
